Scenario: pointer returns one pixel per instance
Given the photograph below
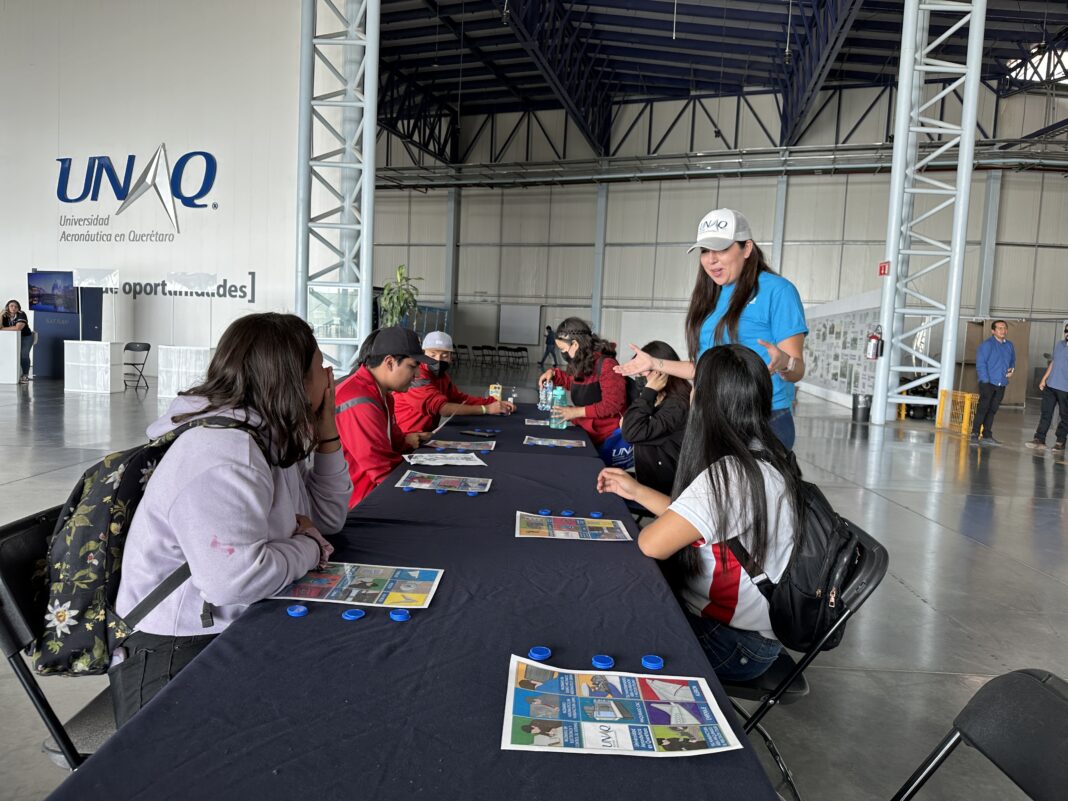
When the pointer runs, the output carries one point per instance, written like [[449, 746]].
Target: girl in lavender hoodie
[[248, 519]]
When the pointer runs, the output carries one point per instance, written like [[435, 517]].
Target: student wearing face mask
[[433, 393], [598, 392]]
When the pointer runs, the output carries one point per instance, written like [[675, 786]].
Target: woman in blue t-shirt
[[738, 299]]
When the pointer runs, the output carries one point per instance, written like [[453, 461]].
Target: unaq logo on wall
[[101, 177]]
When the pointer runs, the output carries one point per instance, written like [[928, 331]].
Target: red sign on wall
[[884, 268]]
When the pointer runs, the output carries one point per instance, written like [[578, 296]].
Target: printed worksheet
[[366, 585], [554, 443], [457, 445], [589, 712], [443, 458], [427, 481], [530, 421], [569, 528], [441, 425]]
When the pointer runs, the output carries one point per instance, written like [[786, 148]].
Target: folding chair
[[22, 619], [1019, 721], [463, 354], [784, 682], [138, 366]]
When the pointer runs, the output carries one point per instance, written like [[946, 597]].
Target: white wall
[[80, 79]]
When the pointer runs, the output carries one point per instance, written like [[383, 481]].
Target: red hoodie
[[370, 436], [602, 418], [419, 409]]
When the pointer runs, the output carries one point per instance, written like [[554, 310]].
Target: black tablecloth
[[513, 429], [281, 708]]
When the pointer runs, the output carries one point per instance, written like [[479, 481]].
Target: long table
[[280, 707]]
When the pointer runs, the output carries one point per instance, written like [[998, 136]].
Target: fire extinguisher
[[873, 349]]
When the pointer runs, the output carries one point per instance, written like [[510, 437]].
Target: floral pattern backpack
[[81, 572]]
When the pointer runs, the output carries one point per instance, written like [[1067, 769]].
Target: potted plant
[[399, 298]]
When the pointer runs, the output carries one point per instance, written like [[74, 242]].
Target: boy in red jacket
[[370, 436], [433, 393]]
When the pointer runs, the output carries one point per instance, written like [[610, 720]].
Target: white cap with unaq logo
[[720, 228], [437, 340]]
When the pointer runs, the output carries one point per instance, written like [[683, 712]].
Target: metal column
[[601, 233], [991, 211], [912, 248], [452, 256], [778, 230], [336, 173]]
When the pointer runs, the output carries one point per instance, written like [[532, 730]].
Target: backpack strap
[[178, 577], [762, 582]]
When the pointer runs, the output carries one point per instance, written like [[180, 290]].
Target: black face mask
[[641, 381], [568, 358], [438, 369]]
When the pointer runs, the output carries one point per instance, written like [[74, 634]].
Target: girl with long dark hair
[[598, 392], [655, 422], [244, 507], [15, 319], [738, 298], [735, 479]]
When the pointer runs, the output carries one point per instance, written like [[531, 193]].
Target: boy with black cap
[[372, 440]]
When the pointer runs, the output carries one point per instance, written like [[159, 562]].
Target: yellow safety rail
[[956, 410]]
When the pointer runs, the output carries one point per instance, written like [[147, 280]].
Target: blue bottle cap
[[409, 489], [498, 430], [461, 450], [471, 494], [440, 491], [440, 450], [483, 452], [603, 661], [545, 512], [528, 444], [400, 615], [353, 614], [597, 515], [567, 512], [652, 662], [569, 446], [551, 444], [539, 653], [297, 610]]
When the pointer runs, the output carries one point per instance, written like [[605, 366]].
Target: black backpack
[[806, 602], [81, 571]]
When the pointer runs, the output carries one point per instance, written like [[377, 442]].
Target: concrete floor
[[977, 586]]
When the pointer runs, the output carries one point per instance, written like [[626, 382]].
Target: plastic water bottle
[[545, 397], [559, 399]]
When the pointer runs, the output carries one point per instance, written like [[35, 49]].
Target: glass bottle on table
[[559, 399]]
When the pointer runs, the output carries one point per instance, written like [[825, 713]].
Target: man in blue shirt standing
[[995, 362], [1054, 386]]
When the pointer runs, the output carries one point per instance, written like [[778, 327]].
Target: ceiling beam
[[416, 115], [562, 53]]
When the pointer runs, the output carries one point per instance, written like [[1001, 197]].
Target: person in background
[[370, 436], [736, 479], [15, 319], [655, 422], [995, 362], [1054, 386], [738, 298], [245, 507], [598, 392], [433, 393], [550, 347]]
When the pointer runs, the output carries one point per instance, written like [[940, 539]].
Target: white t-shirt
[[725, 592]]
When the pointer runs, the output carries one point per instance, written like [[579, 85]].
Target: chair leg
[[48, 715], [787, 775], [929, 766]]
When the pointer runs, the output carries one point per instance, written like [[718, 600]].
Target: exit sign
[[884, 268]]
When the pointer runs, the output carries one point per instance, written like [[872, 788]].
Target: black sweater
[[656, 432]]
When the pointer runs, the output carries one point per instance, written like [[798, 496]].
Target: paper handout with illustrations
[[366, 585], [458, 445], [426, 481], [554, 443], [431, 459], [591, 712], [530, 421], [568, 528]]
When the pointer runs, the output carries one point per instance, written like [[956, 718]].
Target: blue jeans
[[782, 423], [24, 354], [735, 655]]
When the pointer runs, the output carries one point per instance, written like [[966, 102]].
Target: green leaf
[[54, 646]]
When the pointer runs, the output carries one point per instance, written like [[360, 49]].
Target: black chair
[[138, 373], [784, 682], [22, 620], [1019, 721], [463, 353]]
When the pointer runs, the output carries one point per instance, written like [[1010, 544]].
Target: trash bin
[[861, 408]]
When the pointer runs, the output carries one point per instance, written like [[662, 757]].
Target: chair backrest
[[138, 347], [22, 603], [1019, 721]]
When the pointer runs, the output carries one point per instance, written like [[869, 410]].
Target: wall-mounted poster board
[[519, 324]]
